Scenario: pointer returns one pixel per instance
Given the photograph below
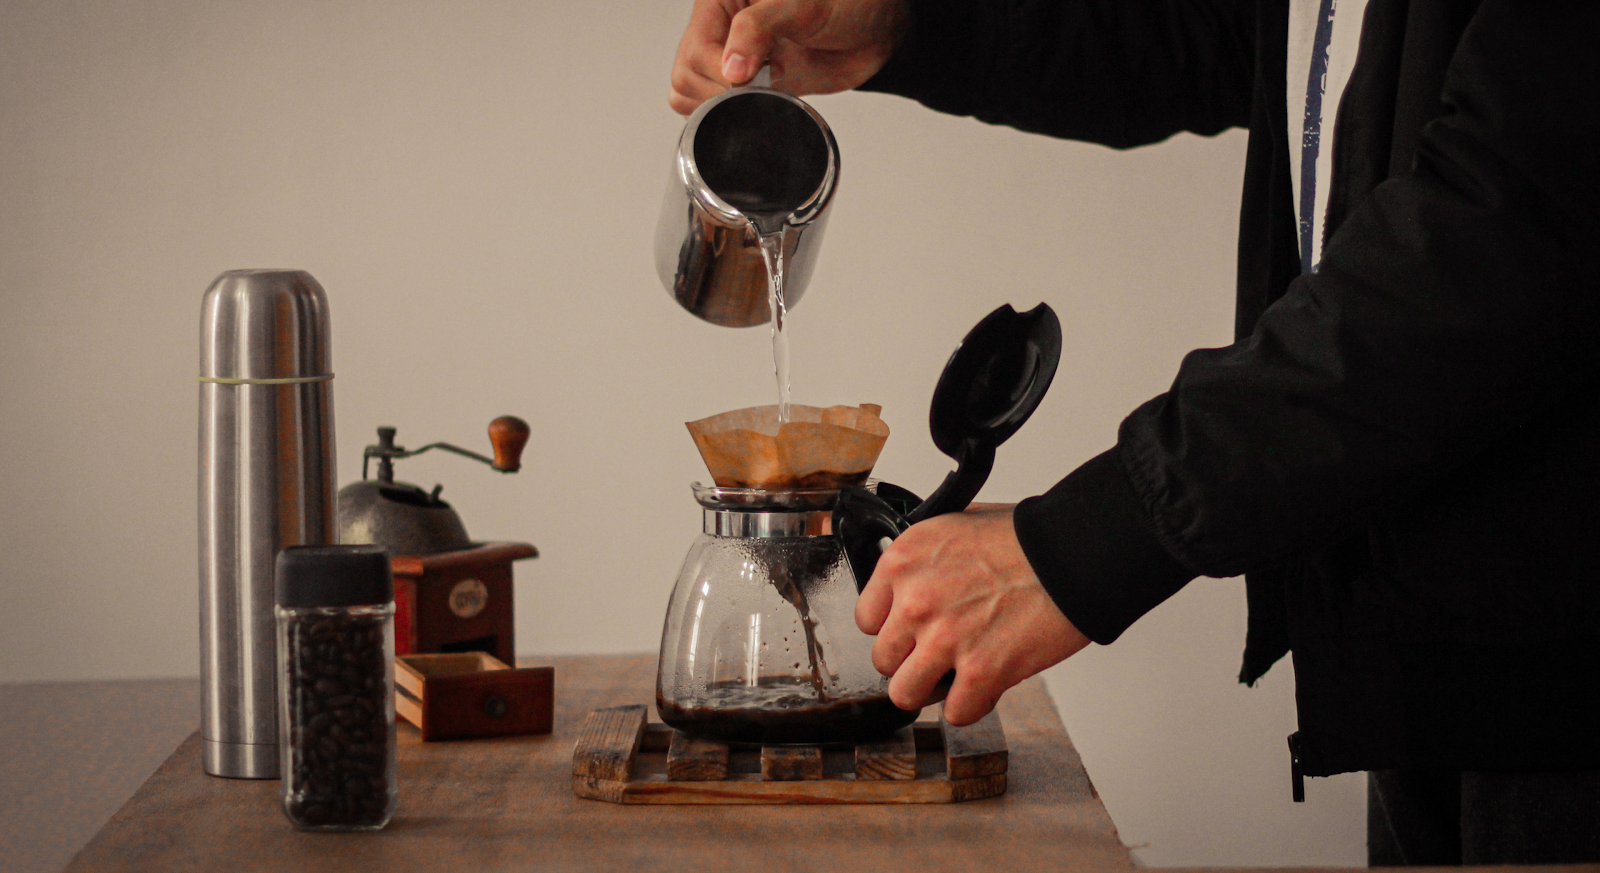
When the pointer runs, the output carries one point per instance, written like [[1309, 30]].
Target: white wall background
[[476, 184]]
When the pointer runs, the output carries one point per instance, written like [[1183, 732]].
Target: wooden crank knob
[[508, 434]]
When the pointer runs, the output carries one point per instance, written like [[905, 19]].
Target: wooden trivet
[[622, 758]]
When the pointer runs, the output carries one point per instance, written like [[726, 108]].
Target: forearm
[[1115, 72]]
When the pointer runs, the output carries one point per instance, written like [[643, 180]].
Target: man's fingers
[[690, 89], [913, 685], [756, 29], [707, 30], [697, 69], [972, 697], [813, 46], [872, 607], [891, 649]]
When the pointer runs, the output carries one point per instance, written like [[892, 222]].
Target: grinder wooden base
[[621, 758]]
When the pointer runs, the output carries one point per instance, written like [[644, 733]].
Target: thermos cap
[[310, 576], [264, 325]]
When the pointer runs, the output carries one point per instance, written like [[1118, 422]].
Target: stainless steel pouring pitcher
[[751, 162]]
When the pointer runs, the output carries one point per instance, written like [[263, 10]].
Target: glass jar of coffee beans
[[335, 608]]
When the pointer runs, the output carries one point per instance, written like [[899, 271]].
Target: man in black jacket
[[1401, 449]]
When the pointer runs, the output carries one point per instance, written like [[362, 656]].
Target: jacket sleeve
[[1458, 304], [1120, 73]]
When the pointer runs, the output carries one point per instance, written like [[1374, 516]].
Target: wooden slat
[[696, 760], [975, 750], [750, 789], [977, 787], [929, 734], [791, 763], [608, 743], [657, 738], [608, 790], [893, 759]]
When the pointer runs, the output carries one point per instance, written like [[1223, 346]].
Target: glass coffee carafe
[[760, 643]]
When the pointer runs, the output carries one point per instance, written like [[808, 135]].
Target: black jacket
[[1400, 451]]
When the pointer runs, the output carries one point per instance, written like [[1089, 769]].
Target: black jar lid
[[334, 576]]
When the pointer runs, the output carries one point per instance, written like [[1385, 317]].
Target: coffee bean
[[328, 687]]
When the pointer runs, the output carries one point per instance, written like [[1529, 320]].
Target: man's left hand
[[956, 591]]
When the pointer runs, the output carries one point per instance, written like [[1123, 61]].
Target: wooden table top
[[507, 804], [72, 753]]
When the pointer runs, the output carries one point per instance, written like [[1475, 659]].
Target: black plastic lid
[[334, 576]]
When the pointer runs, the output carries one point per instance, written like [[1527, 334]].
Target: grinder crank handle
[[508, 434]]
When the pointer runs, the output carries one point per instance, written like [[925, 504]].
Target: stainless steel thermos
[[266, 481]]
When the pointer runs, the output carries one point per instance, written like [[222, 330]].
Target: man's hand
[[815, 46], [956, 591]]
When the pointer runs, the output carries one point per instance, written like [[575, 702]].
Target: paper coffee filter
[[817, 448]]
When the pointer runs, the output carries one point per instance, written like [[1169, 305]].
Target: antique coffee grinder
[[451, 594]]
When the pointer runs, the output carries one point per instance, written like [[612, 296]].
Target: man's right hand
[[814, 46]]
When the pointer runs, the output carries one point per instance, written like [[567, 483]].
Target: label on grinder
[[468, 598]]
